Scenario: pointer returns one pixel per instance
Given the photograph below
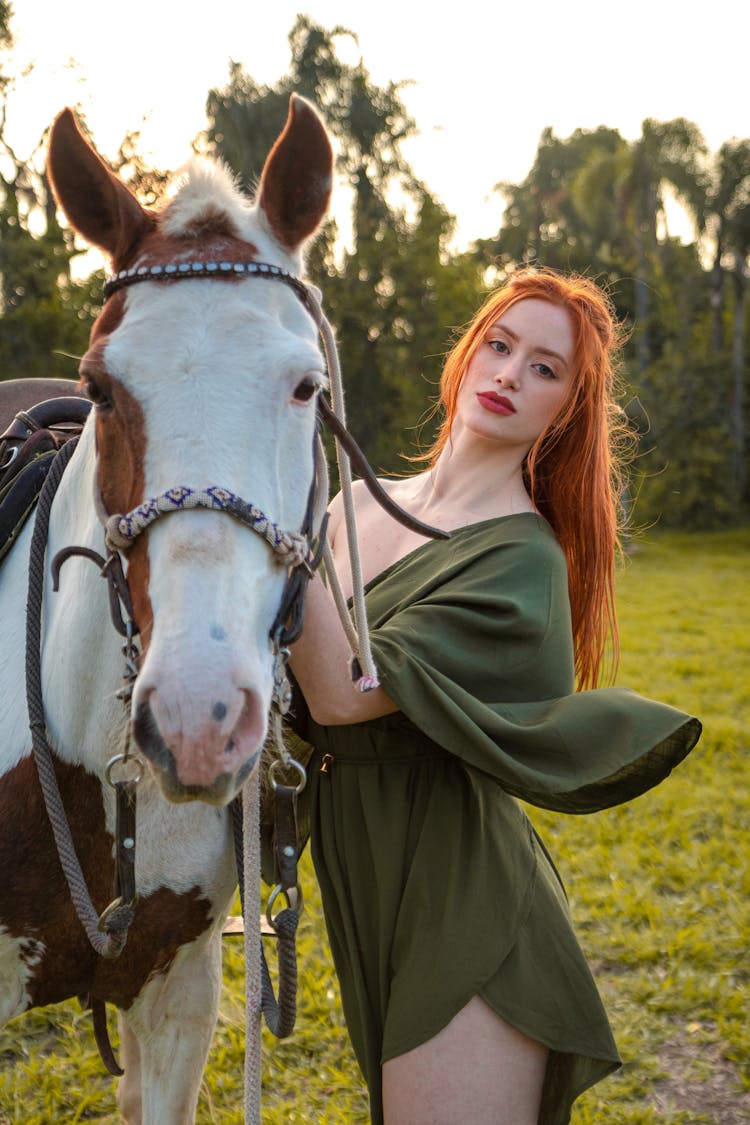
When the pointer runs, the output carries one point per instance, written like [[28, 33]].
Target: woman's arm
[[321, 659], [321, 662]]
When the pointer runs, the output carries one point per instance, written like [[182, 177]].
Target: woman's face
[[519, 377]]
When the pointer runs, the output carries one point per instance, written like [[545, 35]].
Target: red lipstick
[[495, 403]]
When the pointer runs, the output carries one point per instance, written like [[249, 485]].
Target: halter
[[108, 931]]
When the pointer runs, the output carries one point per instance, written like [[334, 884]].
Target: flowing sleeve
[[472, 640]]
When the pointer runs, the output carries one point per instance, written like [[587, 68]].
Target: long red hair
[[573, 471]]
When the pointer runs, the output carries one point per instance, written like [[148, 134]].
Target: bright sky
[[487, 77]]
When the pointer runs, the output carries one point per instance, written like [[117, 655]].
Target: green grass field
[[659, 891]]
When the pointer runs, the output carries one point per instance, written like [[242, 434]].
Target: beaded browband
[[177, 271]]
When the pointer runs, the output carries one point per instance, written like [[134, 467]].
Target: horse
[[203, 369]]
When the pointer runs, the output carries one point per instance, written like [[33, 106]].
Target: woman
[[465, 992]]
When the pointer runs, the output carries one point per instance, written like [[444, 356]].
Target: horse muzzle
[[208, 761]]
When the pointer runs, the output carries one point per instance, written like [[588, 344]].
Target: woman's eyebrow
[[538, 348]]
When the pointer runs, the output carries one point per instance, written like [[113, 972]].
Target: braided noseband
[[291, 548]]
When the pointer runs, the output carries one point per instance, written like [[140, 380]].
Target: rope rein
[[108, 939], [364, 673]]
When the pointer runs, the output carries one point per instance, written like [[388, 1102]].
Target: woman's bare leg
[[476, 1071]]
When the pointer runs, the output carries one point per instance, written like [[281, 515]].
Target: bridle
[[293, 549]]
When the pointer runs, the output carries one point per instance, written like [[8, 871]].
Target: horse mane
[[206, 201]]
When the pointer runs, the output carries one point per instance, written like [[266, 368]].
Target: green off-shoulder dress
[[435, 886]]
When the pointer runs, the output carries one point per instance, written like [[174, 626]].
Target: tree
[[726, 220], [45, 315], [597, 203], [543, 221], [43, 326], [392, 294], [666, 153]]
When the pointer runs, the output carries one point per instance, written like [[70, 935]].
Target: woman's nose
[[509, 375]]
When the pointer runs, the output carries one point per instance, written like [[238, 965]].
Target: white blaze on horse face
[[214, 366]]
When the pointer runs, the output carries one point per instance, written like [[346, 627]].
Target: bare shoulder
[[362, 500]]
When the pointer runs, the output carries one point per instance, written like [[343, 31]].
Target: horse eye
[[305, 390], [97, 395]]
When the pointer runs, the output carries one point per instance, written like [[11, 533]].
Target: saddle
[[38, 417]]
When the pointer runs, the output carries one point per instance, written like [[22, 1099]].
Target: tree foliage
[[597, 203], [45, 313], [44, 320], [396, 289], [394, 292], [6, 35]]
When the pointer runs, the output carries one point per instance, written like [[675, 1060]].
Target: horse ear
[[95, 201], [295, 187]]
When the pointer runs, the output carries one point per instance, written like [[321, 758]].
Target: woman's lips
[[496, 404]]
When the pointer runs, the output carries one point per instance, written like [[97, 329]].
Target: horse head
[[204, 377]]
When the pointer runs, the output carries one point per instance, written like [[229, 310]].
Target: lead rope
[[330, 570], [364, 673], [251, 910], [260, 1000]]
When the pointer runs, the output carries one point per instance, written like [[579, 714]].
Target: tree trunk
[[737, 399], [717, 301], [642, 279]]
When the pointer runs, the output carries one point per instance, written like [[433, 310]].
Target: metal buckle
[[279, 765], [125, 760], [107, 913], [294, 901]]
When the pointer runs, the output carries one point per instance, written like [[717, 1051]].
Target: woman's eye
[[99, 397], [499, 346], [545, 371], [305, 390]]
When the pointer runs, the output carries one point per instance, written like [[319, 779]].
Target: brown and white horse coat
[[196, 383]]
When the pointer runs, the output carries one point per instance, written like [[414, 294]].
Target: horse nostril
[[219, 711], [251, 727]]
